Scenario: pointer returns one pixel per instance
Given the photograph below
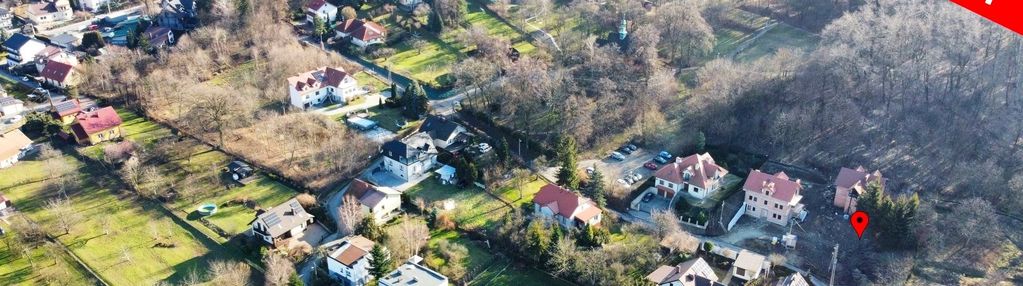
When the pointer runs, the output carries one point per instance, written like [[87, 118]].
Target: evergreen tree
[[595, 188], [381, 263], [701, 141], [538, 241], [368, 228], [568, 176], [434, 23], [413, 101], [502, 151], [92, 40], [319, 27]]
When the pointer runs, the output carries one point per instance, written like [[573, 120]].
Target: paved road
[[82, 25]]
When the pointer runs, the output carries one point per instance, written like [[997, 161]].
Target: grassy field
[[125, 240], [781, 36], [386, 118], [474, 208], [493, 270], [39, 266], [365, 79]]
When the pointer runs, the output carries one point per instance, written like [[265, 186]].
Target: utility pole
[[834, 262]]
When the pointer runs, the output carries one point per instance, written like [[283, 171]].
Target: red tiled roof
[[323, 76], [561, 201], [702, 168], [315, 4], [778, 185], [56, 71], [859, 178], [358, 247], [362, 29], [92, 122]]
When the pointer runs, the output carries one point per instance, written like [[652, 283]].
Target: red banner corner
[[1008, 13]]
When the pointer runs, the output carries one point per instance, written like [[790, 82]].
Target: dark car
[[647, 197], [632, 147], [661, 160], [650, 165], [239, 170], [625, 150]]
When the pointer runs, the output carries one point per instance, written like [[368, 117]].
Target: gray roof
[[64, 38], [284, 217], [414, 274], [438, 127], [5, 101], [415, 148], [701, 281]]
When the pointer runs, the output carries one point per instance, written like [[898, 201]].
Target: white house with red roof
[[380, 202], [696, 175], [320, 9], [96, 126], [13, 146], [566, 207], [362, 32], [851, 184], [774, 198], [350, 261], [321, 85]]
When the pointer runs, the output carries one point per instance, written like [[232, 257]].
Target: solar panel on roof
[[272, 219], [295, 205]]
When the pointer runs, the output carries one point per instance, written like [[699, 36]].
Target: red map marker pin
[[859, 221]]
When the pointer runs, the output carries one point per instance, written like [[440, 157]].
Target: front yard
[[474, 208], [493, 269]]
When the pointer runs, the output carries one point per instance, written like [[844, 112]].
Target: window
[[671, 185], [765, 203], [750, 197], [740, 272]]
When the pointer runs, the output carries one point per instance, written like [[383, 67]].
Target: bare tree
[[666, 222], [408, 238], [63, 214], [349, 215], [229, 273], [278, 269], [684, 32]]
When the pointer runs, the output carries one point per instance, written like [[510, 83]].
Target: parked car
[[239, 170], [628, 179], [647, 197], [625, 150], [484, 147], [665, 155], [93, 27], [661, 160], [590, 170], [650, 165], [632, 147], [637, 177], [622, 181], [24, 78], [617, 156]]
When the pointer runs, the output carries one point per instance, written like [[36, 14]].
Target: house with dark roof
[[852, 183], [96, 126], [413, 274], [410, 158], [177, 14], [278, 224], [158, 36], [326, 11], [380, 202], [566, 207], [361, 32], [65, 111], [22, 49], [66, 41], [683, 274], [350, 261], [322, 85], [59, 74], [775, 198], [696, 175], [13, 146], [446, 133]]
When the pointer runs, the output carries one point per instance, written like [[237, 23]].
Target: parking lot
[[614, 169]]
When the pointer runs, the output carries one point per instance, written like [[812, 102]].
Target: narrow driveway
[[80, 26]]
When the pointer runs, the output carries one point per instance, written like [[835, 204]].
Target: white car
[[623, 182], [637, 177], [484, 147]]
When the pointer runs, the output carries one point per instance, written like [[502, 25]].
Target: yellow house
[[66, 111], [97, 126]]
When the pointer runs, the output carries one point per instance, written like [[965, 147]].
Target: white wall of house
[[445, 142], [768, 208], [382, 211], [26, 53], [13, 109], [363, 44], [92, 5], [327, 13], [357, 275], [411, 171], [261, 227], [745, 274], [345, 91]]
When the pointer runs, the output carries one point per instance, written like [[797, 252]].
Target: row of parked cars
[[623, 151]]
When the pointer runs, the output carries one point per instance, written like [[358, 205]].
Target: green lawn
[[493, 270], [235, 218], [118, 234], [42, 265], [366, 79], [474, 208], [781, 36], [529, 190], [387, 118]]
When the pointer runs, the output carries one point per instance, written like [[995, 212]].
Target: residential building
[[92, 5], [749, 265], [793, 280], [59, 74], [159, 37], [22, 49], [10, 106], [177, 14], [54, 53], [696, 175], [380, 202], [322, 9], [6, 18], [362, 32], [322, 85], [6, 206], [684, 274], [774, 198], [413, 274], [446, 133], [852, 183], [47, 12], [96, 126], [566, 207], [13, 146], [67, 41], [410, 158], [277, 225], [65, 111], [350, 261]]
